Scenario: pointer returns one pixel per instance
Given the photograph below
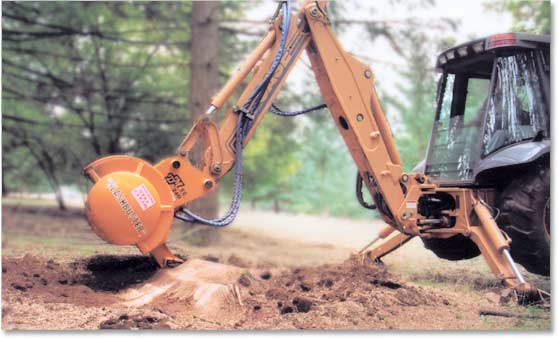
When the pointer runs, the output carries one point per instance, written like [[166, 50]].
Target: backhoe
[[450, 203]]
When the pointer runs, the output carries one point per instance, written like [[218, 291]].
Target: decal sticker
[[177, 185], [143, 197]]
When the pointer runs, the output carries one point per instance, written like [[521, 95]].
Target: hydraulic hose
[[242, 128]]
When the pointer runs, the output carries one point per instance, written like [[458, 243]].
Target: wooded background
[[81, 80]]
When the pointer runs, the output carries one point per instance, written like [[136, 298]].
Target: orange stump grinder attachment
[[132, 202]]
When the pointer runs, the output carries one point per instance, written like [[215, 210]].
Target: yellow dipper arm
[[347, 86]]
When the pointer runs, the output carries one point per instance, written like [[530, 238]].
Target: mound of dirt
[[324, 297], [88, 294], [331, 296], [48, 281]]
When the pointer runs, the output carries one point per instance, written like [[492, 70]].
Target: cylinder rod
[[384, 233], [513, 266], [225, 93]]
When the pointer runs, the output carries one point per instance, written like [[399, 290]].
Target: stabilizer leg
[[495, 249]]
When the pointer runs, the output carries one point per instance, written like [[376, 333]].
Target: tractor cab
[[493, 107]]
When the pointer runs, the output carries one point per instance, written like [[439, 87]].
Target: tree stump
[[208, 289]]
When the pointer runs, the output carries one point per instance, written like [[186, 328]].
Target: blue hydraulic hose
[[241, 130], [286, 6]]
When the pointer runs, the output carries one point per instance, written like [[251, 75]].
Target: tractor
[[492, 130], [484, 186]]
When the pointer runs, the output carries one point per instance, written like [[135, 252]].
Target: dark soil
[[50, 281], [114, 273], [135, 322]]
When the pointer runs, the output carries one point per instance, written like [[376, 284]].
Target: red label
[[143, 197]]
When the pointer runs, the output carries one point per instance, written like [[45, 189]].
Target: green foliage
[[270, 161], [112, 77], [416, 102], [325, 180], [529, 16], [106, 77], [270, 158]]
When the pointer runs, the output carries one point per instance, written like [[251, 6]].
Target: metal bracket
[[244, 112]]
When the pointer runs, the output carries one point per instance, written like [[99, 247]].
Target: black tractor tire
[[525, 216], [455, 248]]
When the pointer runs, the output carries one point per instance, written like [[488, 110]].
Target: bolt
[[183, 153], [217, 168], [404, 215], [368, 73], [206, 120], [176, 164], [360, 117], [375, 134], [404, 178], [314, 12], [208, 184]]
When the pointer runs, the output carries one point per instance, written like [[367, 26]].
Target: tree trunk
[[59, 198], [46, 164], [4, 187], [50, 171], [204, 79], [55, 185]]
